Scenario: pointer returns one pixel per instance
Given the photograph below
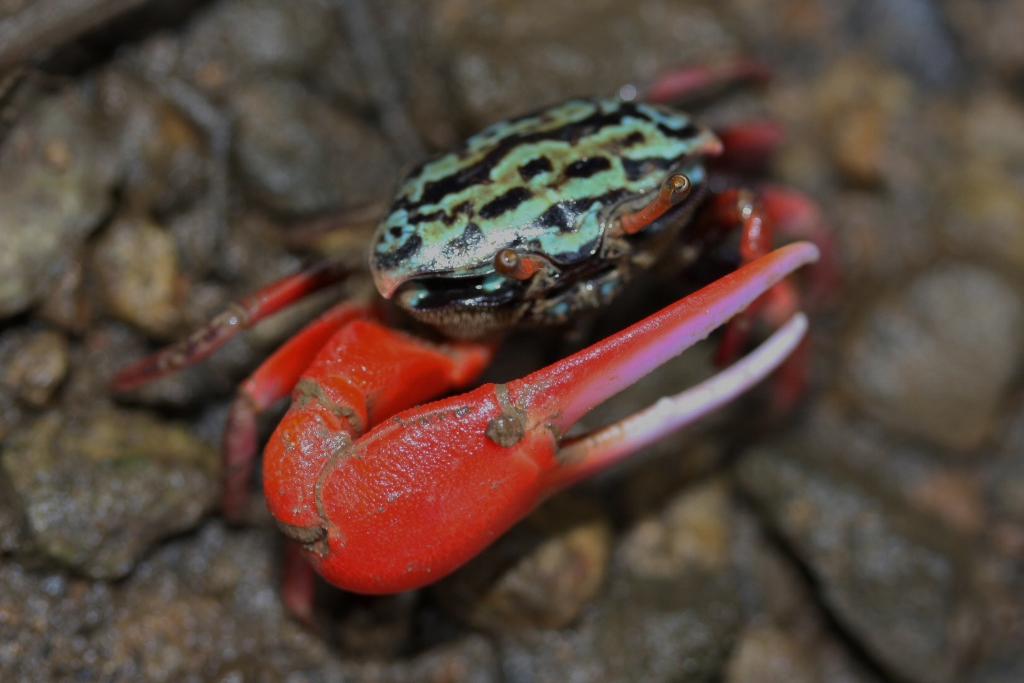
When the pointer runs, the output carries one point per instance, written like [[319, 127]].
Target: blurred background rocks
[[159, 159]]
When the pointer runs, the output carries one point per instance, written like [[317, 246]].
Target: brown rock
[[299, 155], [692, 532], [56, 176], [859, 102], [511, 57], [67, 305], [767, 655], [936, 359], [98, 491], [541, 574], [899, 589], [986, 215], [37, 367], [991, 31], [163, 155], [137, 265]]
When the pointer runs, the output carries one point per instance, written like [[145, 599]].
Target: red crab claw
[[423, 492]]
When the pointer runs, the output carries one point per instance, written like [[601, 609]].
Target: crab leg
[[240, 315], [698, 79], [427, 489], [797, 217], [748, 146]]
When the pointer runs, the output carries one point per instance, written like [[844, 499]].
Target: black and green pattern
[[536, 184]]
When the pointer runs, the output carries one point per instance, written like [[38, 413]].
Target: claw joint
[[314, 539], [507, 429]]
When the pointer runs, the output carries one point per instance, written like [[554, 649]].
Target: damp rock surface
[[300, 156], [937, 358], [203, 608], [542, 574], [182, 157], [98, 491], [56, 179], [897, 588]]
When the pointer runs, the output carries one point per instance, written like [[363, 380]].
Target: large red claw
[[423, 492]]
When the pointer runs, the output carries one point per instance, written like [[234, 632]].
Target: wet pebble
[[36, 367], [893, 584], [985, 219], [202, 608], [786, 632], [869, 114], [238, 37], [927, 480], [666, 614], [98, 490], [692, 532], [162, 153], [541, 574], [991, 32], [936, 359], [137, 265], [56, 178], [69, 305], [1005, 488], [767, 655], [879, 241]]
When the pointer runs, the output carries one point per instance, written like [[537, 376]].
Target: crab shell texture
[[548, 185]]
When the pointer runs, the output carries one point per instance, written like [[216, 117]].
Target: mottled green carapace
[[547, 185]]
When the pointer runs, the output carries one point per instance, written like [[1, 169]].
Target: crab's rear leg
[[745, 208], [699, 79], [240, 315]]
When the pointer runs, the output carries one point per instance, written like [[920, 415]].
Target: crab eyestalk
[[512, 264], [673, 191]]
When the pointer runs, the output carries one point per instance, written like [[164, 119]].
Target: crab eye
[[511, 264]]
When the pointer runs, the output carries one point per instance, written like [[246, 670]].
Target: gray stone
[[298, 155], [936, 359], [202, 608], [897, 587], [56, 178], [669, 611], [98, 491], [508, 58], [243, 36], [540, 574], [35, 365]]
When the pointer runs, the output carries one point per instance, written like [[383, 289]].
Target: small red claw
[[423, 492]]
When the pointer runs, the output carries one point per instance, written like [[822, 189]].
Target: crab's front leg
[[427, 489]]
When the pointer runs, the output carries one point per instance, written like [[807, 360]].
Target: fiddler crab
[[531, 221]]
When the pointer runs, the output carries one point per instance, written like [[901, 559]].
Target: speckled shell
[[538, 184]]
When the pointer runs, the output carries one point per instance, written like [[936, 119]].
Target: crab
[[533, 221]]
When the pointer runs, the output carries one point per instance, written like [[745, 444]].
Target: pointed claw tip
[[807, 252]]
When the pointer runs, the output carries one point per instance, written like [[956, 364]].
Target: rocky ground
[[171, 160]]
